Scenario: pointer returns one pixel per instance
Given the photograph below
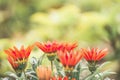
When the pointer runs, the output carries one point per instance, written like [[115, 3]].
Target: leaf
[[11, 74], [98, 73], [84, 68], [59, 68], [40, 60], [76, 72], [91, 76], [33, 62], [105, 73], [33, 77], [104, 64], [4, 79], [32, 74]]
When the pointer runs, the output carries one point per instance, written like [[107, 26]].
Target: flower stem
[[52, 65], [25, 75], [92, 67]]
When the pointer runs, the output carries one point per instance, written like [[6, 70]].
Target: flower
[[43, 73], [60, 78], [69, 59], [94, 54], [18, 58], [48, 47], [67, 46]]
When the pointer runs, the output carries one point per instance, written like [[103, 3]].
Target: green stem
[[92, 67], [25, 75], [52, 65], [69, 74]]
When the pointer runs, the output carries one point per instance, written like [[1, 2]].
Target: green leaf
[[76, 72], [11, 74], [103, 65], [59, 68], [31, 74], [97, 75], [91, 76], [33, 62], [40, 59], [105, 74], [83, 68]]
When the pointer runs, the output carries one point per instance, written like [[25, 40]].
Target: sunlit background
[[91, 23]]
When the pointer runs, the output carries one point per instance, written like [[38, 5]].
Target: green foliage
[[98, 74], [90, 22]]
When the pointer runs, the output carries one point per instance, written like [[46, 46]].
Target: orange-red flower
[[69, 59], [67, 46], [18, 58], [43, 73], [48, 47], [94, 54], [60, 78]]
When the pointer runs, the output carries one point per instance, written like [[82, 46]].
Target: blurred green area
[[23, 22]]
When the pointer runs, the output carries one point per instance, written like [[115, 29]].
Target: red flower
[[43, 73], [67, 46], [60, 78], [48, 47], [94, 54], [69, 59], [18, 58]]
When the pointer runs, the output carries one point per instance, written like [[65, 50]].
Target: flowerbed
[[65, 59]]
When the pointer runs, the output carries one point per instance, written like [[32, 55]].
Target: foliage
[[90, 22], [64, 63]]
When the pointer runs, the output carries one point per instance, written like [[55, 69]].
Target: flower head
[[59, 78], [69, 59], [18, 58], [48, 47], [67, 46], [43, 73], [94, 54]]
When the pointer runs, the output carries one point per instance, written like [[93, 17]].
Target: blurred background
[[92, 23]]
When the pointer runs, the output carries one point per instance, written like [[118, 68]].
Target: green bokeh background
[[23, 22]]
